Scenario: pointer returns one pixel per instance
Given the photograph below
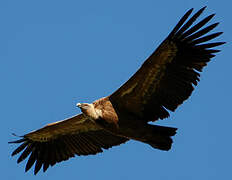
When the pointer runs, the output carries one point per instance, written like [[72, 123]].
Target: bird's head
[[88, 110], [83, 106]]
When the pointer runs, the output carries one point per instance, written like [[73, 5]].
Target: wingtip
[[36, 171], [212, 15], [19, 160], [221, 43], [27, 168], [14, 153], [190, 10], [204, 7], [215, 24], [17, 141], [16, 135]]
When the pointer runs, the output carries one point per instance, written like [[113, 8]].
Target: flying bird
[[163, 82]]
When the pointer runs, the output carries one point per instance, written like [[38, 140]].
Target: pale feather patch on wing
[[129, 90], [59, 128], [165, 54], [151, 82], [78, 122]]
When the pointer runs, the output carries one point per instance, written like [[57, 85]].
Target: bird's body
[[126, 125], [164, 81]]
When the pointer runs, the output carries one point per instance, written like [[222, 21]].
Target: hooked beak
[[78, 105]]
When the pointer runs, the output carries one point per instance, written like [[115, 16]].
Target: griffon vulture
[[162, 83]]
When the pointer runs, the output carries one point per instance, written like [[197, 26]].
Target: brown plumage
[[163, 82]]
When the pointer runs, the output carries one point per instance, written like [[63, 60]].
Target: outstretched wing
[[167, 77], [59, 141]]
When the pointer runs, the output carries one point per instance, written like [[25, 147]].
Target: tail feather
[[161, 137]]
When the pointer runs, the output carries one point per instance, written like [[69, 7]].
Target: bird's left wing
[[61, 140], [168, 76]]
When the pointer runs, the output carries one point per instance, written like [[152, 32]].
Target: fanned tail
[[161, 137]]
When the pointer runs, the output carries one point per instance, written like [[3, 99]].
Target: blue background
[[55, 53]]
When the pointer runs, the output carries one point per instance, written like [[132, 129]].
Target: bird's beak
[[78, 105]]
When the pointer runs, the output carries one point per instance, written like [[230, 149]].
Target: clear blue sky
[[55, 53]]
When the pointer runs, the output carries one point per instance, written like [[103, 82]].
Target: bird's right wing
[[61, 140]]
